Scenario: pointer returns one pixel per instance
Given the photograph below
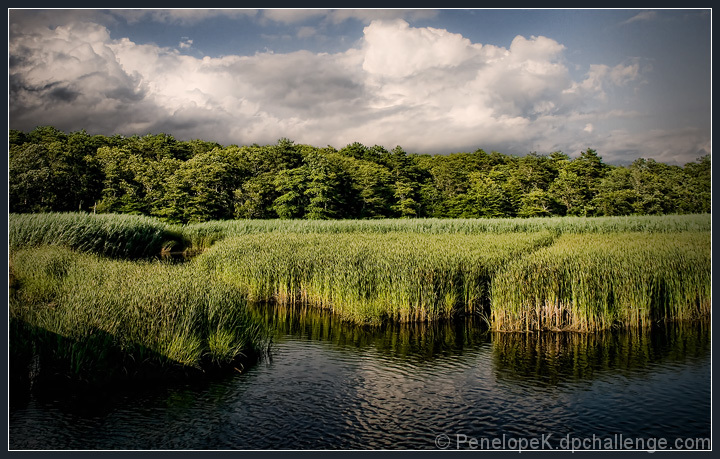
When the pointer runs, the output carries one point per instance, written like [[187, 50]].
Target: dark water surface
[[331, 385]]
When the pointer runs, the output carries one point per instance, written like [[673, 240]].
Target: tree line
[[197, 180]]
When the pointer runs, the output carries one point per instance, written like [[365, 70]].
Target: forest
[[198, 180]]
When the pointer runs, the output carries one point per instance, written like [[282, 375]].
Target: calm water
[[329, 385]]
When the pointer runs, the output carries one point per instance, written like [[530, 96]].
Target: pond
[[327, 384]]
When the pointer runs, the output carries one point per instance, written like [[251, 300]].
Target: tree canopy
[[199, 180]]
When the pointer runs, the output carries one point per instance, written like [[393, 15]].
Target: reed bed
[[113, 235], [591, 282], [136, 236], [79, 309], [370, 278], [203, 235], [559, 273], [82, 309]]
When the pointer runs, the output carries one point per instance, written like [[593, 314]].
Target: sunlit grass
[[113, 235], [370, 277], [596, 281], [561, 273], [204, 235]]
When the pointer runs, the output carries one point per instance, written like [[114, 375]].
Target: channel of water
[[328, 384]]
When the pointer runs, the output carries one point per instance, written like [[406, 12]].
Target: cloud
[[396, 50], [643, 16], [600, 78], [181, 16], [673, 146], [426, 89], [289, 16], [337, 16], [305, 32], [367, 16]]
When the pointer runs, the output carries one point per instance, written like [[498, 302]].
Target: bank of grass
[[81, 311], [136, 236], [561, 273], [112, 235], [201, 236], [370, 278], [590, 282]]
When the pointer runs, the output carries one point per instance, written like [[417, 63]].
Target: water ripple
[[393, 390]]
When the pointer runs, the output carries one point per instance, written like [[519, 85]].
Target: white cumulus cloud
[[426, 89]]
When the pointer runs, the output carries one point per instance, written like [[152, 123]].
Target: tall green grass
[[558, 273], [201, 236], [370, 277], [151, 311], [595, 281], [113, 235], [136, 236]]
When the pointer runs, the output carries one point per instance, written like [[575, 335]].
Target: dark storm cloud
[[125, 94], [62, 94]]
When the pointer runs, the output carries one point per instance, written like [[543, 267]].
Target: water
[[331, 385]]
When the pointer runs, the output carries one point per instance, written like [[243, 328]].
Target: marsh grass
[[203, 235], [370, 278], [150, 311], [71, 296], [136, 236], [591, 282], [112, 235]]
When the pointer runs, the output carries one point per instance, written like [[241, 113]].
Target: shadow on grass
[[40, 360]]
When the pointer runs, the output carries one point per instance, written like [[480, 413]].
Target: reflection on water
[[332, 385], [554, 358], [417, 341]]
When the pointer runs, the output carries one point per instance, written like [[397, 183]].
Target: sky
[[628, 83]]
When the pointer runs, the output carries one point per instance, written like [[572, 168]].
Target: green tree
[[197, 146], [354, 150], [46, 135], [254, 198], [85, 184], [407, 177], [616, 194], [571, 191], [697, 186], [450, 174], [291, 185], [656, 186], [536, 172], [578, 181], [370, 194], [121, 192], [31, 177], [16, 138], [158, 147], [406, 205], [207, 183], [324, 188], [537, 203], [489, 197]]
